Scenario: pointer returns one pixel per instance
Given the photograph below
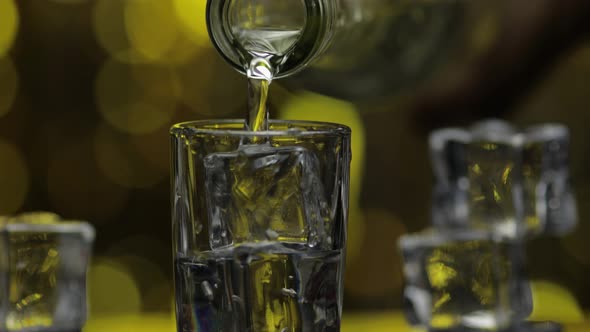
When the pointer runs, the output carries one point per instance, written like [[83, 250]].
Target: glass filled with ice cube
[[259, 225], [43, 265]]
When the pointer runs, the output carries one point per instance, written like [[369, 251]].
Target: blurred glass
[[43, 265]]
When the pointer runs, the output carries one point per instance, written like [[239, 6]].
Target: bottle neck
[[288, 47]]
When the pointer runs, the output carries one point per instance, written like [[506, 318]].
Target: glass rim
[[516, 139], [433, 238], [295, 128], [65, 227]]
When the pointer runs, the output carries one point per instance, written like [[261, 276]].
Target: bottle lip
[[217, 18], [315, 35]]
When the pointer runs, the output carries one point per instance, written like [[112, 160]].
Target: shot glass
[[259, 225], [43, 264]]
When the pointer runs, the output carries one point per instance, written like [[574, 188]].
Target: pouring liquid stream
[[266, 49], [259, 79]]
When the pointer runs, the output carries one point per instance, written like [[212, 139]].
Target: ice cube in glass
[[264, 193]]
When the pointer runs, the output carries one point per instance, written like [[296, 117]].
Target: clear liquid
[[260, 75], [264, 51], [261, 42], [258, 288]]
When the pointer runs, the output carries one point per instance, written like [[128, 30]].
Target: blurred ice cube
[[550, 204], [43, 263], [261, 193], [464, 279], [494, 177]]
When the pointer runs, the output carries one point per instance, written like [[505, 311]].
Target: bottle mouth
[[290, 42]]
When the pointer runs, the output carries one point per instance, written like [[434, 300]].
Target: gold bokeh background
[[88, 90]]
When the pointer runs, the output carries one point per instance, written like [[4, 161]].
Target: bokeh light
[[9, 21], [210, 87], [152, 283], [144, 263], [121, 162], [148, 31], [124, 103], [154, 148], [378, 273], [76, 187], [379, 322], [160, 34], [552, 302], [14, 178], [8, 84], [129, 323], [69, 2], [110, 30], [157, 81], [485, 32], [112, 289], [191, 15], [151, 26]]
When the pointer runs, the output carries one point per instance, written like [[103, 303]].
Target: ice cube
[[43, 263], [464, 278], [475, 180], [550, 205], [262, 193], [493, 177]]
